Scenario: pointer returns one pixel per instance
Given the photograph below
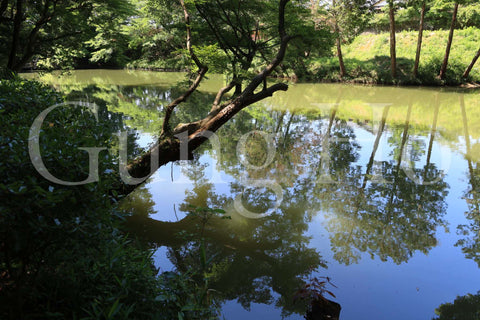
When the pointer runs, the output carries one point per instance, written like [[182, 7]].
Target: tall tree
[[471, 65], [420, 37], [393, 53], [347, 19], [338, 41], [30, 28], [443, 70]]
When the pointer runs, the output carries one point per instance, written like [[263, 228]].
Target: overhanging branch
[[284, 38], [168, 147], [202, 70], [220, 94]]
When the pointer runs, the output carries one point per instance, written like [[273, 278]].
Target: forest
[[391, 42]]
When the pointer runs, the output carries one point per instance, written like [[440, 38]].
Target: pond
[[376, 188]]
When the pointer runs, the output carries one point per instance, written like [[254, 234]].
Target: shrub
[[62, 250]]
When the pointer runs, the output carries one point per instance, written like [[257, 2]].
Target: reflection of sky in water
[[144, 139], [371, 289]]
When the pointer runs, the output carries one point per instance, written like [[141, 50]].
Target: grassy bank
[[367, 59]]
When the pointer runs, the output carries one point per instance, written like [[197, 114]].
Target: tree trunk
[[404, 135], [420, 38], [393, 54], [470, 67], [238, 88], [433, 131], [399, 161], [471, 170], [17, 25], [381, 128], [449, 43], [343, 71], [466, 132]]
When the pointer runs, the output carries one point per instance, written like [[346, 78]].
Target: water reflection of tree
[[470, 243], [252, 261], [142, 106], [274, 255], [391, 219], [463, 308], [139, 202], [252, 257]]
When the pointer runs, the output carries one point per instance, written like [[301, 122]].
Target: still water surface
[[379, 192]]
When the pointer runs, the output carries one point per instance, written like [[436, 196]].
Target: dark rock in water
[[323, 309]]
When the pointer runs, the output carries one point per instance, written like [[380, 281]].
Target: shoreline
[[293, 79]]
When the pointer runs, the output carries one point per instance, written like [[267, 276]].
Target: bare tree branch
[[213, 123], [284, 38], [221, 40], [221, 93], [166, 130], [219, 116], [202, 70]]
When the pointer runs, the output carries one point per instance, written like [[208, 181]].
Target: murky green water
[[375, 187]]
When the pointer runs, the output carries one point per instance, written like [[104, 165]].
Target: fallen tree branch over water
[[179, 143]]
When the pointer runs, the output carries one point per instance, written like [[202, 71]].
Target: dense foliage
[[63, 253], [58, 33], [463, 308], [151, 34]]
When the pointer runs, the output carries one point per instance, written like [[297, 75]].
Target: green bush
[[62, 250], [469, 16], [325, 68]]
